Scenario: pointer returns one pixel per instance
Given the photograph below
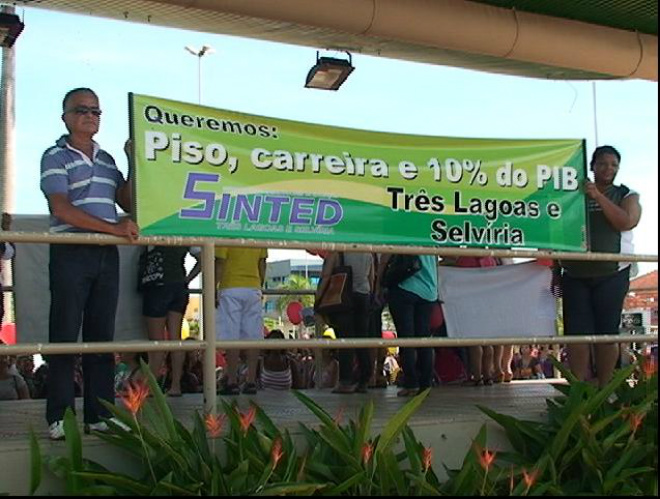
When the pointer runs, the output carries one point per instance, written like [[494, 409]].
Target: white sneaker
[[102, 426], [56, 431]]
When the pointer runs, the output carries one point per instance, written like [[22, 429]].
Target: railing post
[[208, 310]]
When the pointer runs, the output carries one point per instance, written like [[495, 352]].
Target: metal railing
[[209, 343]]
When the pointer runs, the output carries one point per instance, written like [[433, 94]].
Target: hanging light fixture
[[329, 73], [10, 27]]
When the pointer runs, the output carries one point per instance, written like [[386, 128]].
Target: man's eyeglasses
[[83, 110]]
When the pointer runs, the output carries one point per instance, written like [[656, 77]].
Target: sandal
[[344, 389], [407, 392], [230, 390], [250, 388], [473, 382]]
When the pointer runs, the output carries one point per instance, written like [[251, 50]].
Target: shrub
[[602, 442]]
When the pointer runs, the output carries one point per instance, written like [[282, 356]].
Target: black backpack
[[399, 268]]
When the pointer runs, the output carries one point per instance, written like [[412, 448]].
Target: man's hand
[[128, 149], [6, 221], [591, 190], [127, 228]]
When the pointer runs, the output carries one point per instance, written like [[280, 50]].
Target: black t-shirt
[[164, 265], [604, 238]]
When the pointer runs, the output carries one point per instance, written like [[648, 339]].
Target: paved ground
[[450, 404]]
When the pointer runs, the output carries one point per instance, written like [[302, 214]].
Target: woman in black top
[[164, 285], [594, 292]]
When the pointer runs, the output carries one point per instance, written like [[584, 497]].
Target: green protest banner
[[216, 173]]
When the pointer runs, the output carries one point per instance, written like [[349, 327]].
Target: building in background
[[643, 296]]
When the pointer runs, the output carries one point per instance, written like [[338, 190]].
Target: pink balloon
[[294, 312]]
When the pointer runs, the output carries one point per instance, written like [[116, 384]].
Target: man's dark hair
[[605, 150], [75, 91]]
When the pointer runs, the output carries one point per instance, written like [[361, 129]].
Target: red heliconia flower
[[636, 421], [214, 424], [339, 417], [276, 452], [367, 452], [427, 458], [530, 478], [649, 366], [248, 418], [134, 396], [486, 457]]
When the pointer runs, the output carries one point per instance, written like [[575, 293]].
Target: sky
[[58, 52]]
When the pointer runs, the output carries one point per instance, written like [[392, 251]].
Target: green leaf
[[399, 421], [298, 489], [124, 483], [413, 450], [611, 440], [347, 485], [510, 425], [558, 444], [363, 431], [121, 414], [570, 455], [269, 428], [166, 485], [200, 438], [629, 458], [159, 401], [566, 373], [59, 466], [425, 488], [601, 397], [73, 440], [338, 436], [74, 448], [603, 423], [328, 435], [36, 464], [100, 491], [387, 459], [466, 481], [238, 478]]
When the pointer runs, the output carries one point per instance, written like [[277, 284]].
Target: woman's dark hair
[[275, 334], [600, 151]]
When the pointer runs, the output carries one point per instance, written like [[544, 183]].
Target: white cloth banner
[[32, 288], [497, 302]]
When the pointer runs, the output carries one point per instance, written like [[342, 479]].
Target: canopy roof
[[557, 39], [630, 15]]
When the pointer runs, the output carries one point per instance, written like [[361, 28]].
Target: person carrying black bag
[[410, 285], [352, 322]]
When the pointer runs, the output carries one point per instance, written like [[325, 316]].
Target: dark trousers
[[84, 287], [411, 315], [354, 324], [594, 305]]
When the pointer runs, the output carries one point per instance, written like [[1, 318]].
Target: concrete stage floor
[[447, 421]]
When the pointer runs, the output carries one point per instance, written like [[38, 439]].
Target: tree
[[295, 283]]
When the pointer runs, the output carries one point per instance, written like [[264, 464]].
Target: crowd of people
[[83, 187], [281, 370]]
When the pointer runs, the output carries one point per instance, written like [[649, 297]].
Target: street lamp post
[[199, 53]]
